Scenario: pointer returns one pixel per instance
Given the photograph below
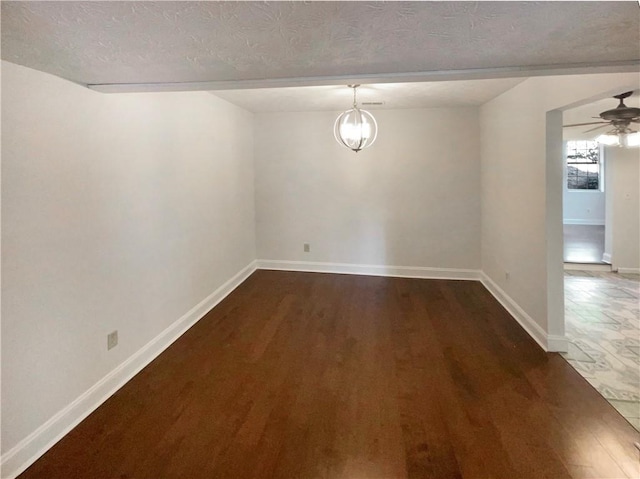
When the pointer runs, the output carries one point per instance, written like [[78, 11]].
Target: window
[[583, 165]]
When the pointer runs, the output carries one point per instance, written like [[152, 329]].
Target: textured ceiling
[[105, 42], [394, 95]]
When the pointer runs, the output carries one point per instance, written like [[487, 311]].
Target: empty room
[[319, 240]]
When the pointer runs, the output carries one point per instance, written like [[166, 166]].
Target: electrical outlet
[[306, 247], [112, 340]]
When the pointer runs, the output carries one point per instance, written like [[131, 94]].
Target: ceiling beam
[[444, 75]]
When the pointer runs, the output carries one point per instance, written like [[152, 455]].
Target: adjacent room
[[602, 258], [319, 240]]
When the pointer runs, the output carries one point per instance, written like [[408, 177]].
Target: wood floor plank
[[307, 375]]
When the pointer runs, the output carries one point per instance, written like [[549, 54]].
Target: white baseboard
[[371, 270], [27, 451], [587, 267], [546, 342], [628, 270], [557, 343], [597, 222]]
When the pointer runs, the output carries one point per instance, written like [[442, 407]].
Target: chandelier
[[355, 128]]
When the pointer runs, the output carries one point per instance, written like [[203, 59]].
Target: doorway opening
[[601, 233], [584, 201]]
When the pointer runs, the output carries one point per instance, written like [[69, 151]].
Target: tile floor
[[602, 317]]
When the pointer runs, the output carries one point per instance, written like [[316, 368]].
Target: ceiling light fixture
[[355, 128], [624, 138], [620, 118]]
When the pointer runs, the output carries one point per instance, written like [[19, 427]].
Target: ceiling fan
[[620, 118]]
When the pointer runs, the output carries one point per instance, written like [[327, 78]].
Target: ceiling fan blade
[[596, 128], [585, 124]]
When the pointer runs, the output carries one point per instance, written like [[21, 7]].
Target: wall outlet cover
[[112, 340]]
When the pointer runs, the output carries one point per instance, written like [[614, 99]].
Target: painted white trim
[[557, 343], [27, 451], [370, 269], [628, 270], [526, 321], [606, 257], [587, 267], [596, 222]]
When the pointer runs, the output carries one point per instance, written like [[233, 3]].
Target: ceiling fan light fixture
[[621, 118], [633, 140], [623, 139], [355, 128], [609, 140]]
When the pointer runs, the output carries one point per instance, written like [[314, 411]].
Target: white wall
[[409, 200], [118, 212], [624, 169], [522, 188], [583, 207]]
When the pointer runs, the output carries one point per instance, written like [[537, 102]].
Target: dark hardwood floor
[[306, 375]]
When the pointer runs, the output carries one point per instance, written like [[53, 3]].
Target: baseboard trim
[[584, 222], [27, 451], [606, 257], [628, 270], [370, 270], [526, 321], [587, 267], [557, 343]]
